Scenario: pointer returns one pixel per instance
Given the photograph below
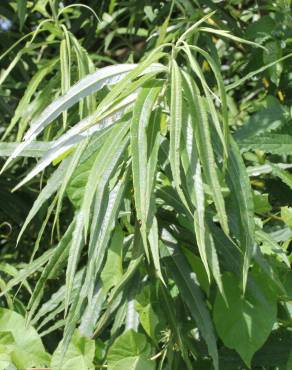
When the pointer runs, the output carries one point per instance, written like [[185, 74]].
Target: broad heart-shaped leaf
[[22, 343], [79, 356], [130, 351], [147, 305], [245, 324]]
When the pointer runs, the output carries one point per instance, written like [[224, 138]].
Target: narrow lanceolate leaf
[[73, 136], [88, 85], [72, 164], [92, 312], [102, 169], [221, 87], [76, 247], [104, 217], [189, 153], [140, 152], [208, 94], [176, 129], [36, 149], [228, 35], [29, 92], [271, 143], [29, 270], [65, 61], [21, 12], [51, 269], [213, 261], [199, 218], [51, 187], [240, 189], [285, 176], [205, 148], [85, 67], [153, 239], [191, 293]]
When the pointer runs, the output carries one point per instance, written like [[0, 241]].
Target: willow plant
[[163, 231]]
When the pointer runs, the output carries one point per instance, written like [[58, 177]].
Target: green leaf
[[285, 176], [22, 343], [205, 147], [65, 66], [259, 29], [224, 137], [270, 117], [88, 85], [176, 130], [36, 149], [102, 169], [51, 187], [75, 189], [51, 269], [76, 246], [273, 53], [145, 305], [29, 269], [78, 133], [272, 143], [197, 266], [261, 203], [240, 191], [286, 215], [29, 93], [113, 261], [250, 317], [189, 288], [130, 351], [141, 163], [227, 34], [21, 11], [104, 217], [199, 218], [80, 355]]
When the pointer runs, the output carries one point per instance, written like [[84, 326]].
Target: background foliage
[[152, 220]]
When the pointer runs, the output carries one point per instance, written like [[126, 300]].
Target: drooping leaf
[[187, 283], [176, 123], [205, 149], [240, 188], [140, 153]]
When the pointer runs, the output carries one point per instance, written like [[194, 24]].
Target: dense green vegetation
[[146, 186]]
